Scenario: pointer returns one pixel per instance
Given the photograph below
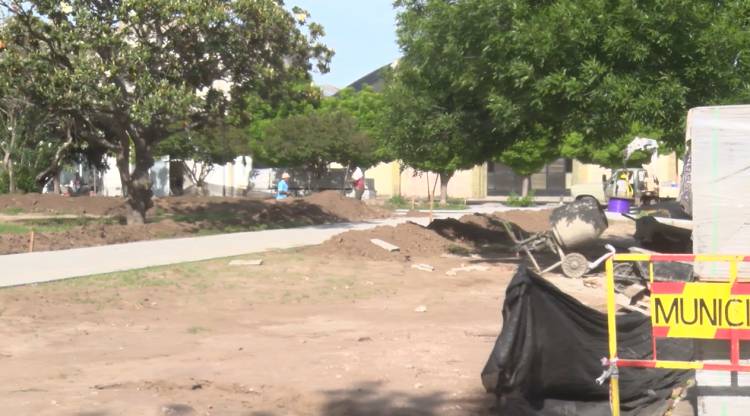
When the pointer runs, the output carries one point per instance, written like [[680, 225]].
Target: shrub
[[520, 201]]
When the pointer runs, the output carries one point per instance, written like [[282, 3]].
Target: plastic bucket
[[618, 205]]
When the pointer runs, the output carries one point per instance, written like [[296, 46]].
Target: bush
[[520, 201], [25, 181], [398, 201]]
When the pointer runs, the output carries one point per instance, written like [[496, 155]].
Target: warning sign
[[699, 310]]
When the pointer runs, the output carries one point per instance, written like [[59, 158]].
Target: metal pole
[[614, 382]]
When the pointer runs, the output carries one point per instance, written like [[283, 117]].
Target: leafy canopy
[[579, 78], [138, 71]]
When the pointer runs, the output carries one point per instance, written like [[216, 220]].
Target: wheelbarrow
[[572, 226]]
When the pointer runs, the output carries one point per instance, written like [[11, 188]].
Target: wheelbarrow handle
[[610, 252]]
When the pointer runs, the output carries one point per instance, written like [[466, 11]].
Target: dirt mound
[[348, 208], [412, 239], [471, 229], [176, 217], [56, 204], [531, 221]]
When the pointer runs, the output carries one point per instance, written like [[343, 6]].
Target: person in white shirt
[[358, 183]]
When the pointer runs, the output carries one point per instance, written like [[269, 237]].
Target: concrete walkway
[[45, 266]]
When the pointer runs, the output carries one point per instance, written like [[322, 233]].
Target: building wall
[[472, 183], [389, 180], [230, 179]]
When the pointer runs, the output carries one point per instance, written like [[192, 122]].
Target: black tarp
[[547, 356]]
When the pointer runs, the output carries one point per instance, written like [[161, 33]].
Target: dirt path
[[299, 335]]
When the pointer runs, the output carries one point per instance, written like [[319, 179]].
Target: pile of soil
[[55, 204], [350, 209], [474, 229], [531, 221], [475, 232], [179, 217], [412, 239]]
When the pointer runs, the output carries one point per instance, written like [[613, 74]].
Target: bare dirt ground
[[309, 332], [171, 217], [299, 335]]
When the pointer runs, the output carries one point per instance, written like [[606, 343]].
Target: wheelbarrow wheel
[[575, 265]]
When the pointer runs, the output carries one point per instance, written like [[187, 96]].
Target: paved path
[[44, 266]]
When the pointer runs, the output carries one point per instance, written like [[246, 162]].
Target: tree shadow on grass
[[253, 215]]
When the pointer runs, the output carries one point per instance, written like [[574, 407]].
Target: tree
[[582, 77], [366, 106], [19, 126], [313, 141], [423, 136], [319, 131], [435, 121], [527, 156], [136, 71], [206, 148]]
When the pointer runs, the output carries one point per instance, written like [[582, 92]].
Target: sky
[[361, 32]]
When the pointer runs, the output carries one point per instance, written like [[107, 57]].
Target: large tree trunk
[[136, 185], [444, 178], [56, 184]]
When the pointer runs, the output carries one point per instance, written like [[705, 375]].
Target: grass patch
[[459, 250], [12, 211], [196, 330], [399, 202], [12, 228], [212, 229], [206, 216], [148, 277], [51, 225], [520, 201]]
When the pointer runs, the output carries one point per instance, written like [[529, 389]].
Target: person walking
[[358, 183], [282, 188]]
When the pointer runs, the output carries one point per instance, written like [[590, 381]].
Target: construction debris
[[423, 267], [256, 262], [473, 268], [384, 245]]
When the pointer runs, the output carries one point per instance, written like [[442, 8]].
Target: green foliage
[[343, 129], [314, 141], [520, 201], [399, 202], [135, 72], [421, 131], [575, 77], [211, 145]]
